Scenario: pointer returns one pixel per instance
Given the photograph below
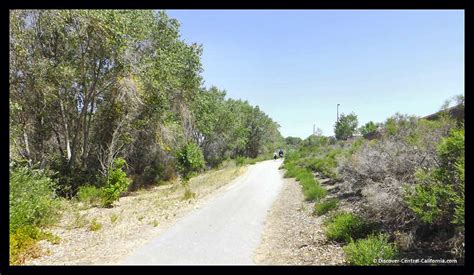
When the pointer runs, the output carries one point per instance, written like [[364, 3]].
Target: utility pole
[[338, 112], [314, 129]]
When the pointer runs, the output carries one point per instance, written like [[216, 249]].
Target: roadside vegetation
[[107, 102], [398, 194]]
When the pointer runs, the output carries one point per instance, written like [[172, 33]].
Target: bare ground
[[293, 236], [131, 223]]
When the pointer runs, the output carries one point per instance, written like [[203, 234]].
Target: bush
[[32, 199], [325, 206], [190, 159], [346, 126], [116, 183], [23, 243], [314, 192], [344, 227], [91, 195], [368, 251], [438, 196], [368, 128], [239, 160]]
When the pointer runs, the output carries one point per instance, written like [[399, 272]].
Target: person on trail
[[275, 155], [280, 153]]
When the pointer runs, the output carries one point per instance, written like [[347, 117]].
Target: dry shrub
[[379, 169]]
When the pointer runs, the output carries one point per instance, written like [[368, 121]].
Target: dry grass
[[135, 220]]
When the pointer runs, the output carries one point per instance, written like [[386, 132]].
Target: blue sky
[[297, 65]]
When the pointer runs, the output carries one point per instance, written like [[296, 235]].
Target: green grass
[[114, 218], [90, 195], [312, 190], [343, 227], [368, 251], [95, 225], [325, 206]]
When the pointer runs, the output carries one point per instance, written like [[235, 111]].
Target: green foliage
[[344, 227], [312, 190], [141, 91], [116, 183], [438, 197], [326, 206], [95, 225], [346, 126], [369, 250], [368, 128], [190, 159], [32, 199], [91, 195], [23, 243], [239, 160]]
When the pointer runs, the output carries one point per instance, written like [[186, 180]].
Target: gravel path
[[293, 236], [226, 230]]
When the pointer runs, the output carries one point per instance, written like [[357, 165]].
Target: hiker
[[280, 153], [275, 155]]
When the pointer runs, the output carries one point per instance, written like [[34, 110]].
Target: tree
[[368, 128], [346, 126]]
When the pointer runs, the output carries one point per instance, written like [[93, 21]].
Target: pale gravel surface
[[141, 217], [293, 236]]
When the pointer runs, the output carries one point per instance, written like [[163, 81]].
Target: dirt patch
[[134, 221], [293, 236]]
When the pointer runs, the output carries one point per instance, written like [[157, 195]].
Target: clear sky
[[297, 65]]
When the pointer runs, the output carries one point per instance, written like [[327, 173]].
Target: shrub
[[312, 190], [346, 126], [314, 193], [325, 166], [117, 183], [346, 226], [32, 199], [23, 243], [325, 206], [91, 195], [368, 128], [368, 251], [438, 196], [239, 160], [190, 159]]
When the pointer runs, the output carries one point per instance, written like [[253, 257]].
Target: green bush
[[190, 159], [344, 227], [346, 126], [325, 166], [312, 190], [325, 206], [438, 196], [23, 243], [91, 195], [368, 251], [239, 160], [314, 193], [116, 183], [32, 199], [368, 128]]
